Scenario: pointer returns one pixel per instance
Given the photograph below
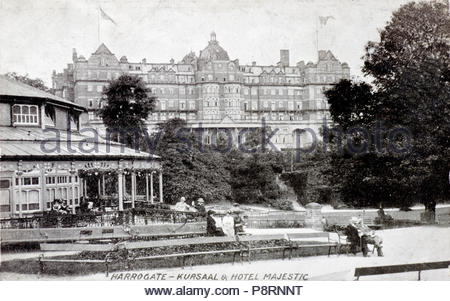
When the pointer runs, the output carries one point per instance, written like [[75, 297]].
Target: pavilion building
[[46, 155]]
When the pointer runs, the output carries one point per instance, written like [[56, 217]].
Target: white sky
[[38, 36]]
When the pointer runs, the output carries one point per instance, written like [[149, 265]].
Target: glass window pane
[[33, 110], [4, 183], [25, 110], [16, 109]]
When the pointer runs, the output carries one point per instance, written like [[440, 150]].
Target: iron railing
[[53, 219]]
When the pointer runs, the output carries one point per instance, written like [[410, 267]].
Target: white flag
[[106, 17], [324, 19]]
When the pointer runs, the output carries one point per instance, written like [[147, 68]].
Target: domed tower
[[213, 52]]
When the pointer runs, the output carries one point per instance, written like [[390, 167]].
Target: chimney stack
[[284, 57], [253, 63], [74, 55]]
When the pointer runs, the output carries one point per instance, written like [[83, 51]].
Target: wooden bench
[[295, 241], [343, 243], [401, 268], [243, 250]]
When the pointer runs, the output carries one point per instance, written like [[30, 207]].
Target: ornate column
[[146, 188], [13, 195], [43, 183], [99, 188], [103, 184], [72, 174], [133, 188], [151, 187], [19, 174], [120, 185], [161, 199]]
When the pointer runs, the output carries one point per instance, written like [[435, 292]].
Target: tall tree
[[36, 82], [410, 70], [128, 104], [410, 66]]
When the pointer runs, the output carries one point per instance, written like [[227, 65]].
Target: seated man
[[238, 223], [200, 206], [368, 237]]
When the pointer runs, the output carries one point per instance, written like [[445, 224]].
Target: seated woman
[[351, 231], [211, 225]]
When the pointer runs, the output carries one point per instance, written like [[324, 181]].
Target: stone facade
[[215, 91]]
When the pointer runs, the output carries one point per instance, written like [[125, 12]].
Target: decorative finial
[[213, 36]]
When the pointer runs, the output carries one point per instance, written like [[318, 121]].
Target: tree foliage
[[190, 171], [128, 103], [411, 91], [36, 82], [193, 169]]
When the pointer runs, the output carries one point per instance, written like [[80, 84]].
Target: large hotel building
[[212, 90]]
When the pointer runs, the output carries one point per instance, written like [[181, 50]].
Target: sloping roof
[[10, 87], [102, 49], [20, 143], [22, 150]]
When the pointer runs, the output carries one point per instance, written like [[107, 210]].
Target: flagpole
[[98, 25], [317, 37]]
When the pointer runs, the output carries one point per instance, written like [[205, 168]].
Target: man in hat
[[200, 206], [238, 221]]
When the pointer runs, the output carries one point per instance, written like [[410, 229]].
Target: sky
[[37, 37]]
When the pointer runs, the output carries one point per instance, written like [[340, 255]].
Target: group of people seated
[[60, 206], [196, 206], [229, 223], [218, 222], [360, 236]]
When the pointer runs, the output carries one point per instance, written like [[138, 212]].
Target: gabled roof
[[326, 55], [11, 87], [102, 49]]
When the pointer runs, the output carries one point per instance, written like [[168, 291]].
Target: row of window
[[273, 105], [60, 179], [28, 181], [209, 66], [99, 75], [25, 114], [98, 88]]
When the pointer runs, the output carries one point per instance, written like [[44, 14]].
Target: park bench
[[369, 222], [244, 249], [401, 268], [297, 240], [344, 243]]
